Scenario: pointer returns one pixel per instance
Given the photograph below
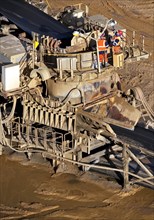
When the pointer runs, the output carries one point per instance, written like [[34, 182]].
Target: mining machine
[[55, 98]]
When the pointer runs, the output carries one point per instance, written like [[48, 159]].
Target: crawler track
[[140, 138]]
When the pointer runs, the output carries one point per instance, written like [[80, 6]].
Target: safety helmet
[[76, 33]]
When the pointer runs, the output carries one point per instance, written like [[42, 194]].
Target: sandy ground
[[31, 192]]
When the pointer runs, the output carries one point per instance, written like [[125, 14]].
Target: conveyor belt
[[140, 138], [31, 19]]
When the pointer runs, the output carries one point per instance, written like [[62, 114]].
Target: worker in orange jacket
[[116, 41], [103, 50]]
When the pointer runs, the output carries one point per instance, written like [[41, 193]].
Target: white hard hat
[[111, 23]]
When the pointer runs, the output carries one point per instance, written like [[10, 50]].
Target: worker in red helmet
[[116, 42], [103, 49]]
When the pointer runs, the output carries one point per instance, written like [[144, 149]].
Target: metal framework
[[57, 146]]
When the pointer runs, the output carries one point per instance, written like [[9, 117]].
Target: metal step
[[93, 157], [94, 144]]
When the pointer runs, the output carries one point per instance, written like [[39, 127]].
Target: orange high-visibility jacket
[[102, 44]]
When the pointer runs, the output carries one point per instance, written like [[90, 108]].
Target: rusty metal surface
[[84, 88], [116, 111]]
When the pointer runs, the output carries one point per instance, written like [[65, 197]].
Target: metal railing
[[33, 137]]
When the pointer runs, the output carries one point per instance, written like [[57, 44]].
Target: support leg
[[1, 149], [126, 168]]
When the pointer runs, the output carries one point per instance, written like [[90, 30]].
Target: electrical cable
[[6, 120]]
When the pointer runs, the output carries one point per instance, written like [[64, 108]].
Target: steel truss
[[59, 146]]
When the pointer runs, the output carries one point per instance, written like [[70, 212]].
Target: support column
[[1, 134], [1, 149], [126, 168]]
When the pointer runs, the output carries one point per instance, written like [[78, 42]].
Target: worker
[[116, 42], [103, 50]]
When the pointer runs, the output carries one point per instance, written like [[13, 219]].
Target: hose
[[140, 97], [6, 120], [64, 101]]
